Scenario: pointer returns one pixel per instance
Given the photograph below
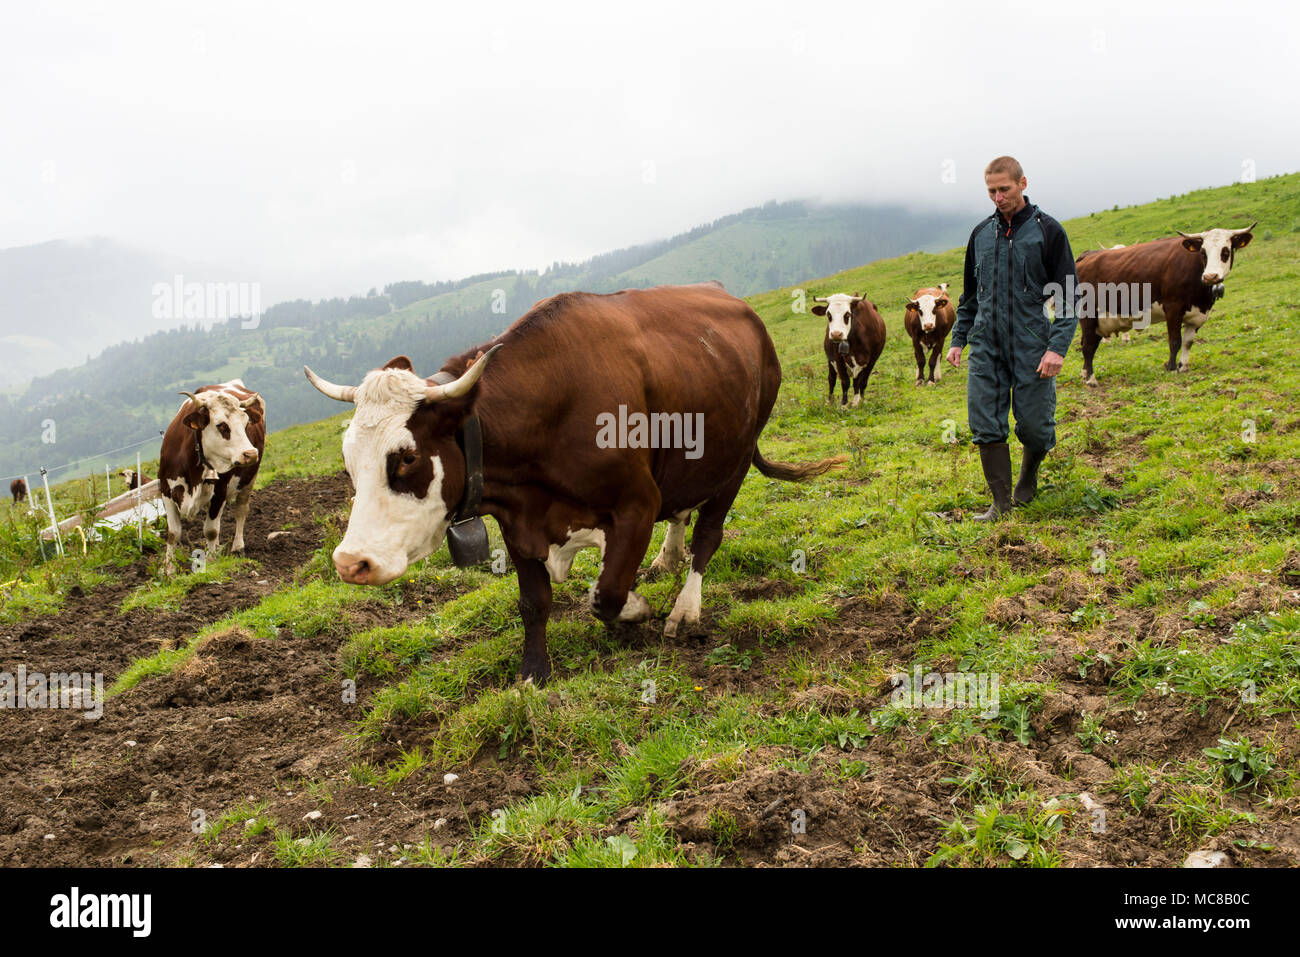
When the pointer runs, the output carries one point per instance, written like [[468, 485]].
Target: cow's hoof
[[1091, 381], [920, 382], [933, 382], [537, 676], [237, 549], [636, 608], [1184, 368]]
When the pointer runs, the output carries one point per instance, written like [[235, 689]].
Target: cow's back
[[576, 358], [1148, 262]]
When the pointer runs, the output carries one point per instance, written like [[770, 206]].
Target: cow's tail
[[790, 472]]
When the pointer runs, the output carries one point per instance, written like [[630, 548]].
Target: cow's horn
[[820, 299], [1248, 228], [1190, 235], [191, 396], [458, 387], [344, 393], [251, 400]]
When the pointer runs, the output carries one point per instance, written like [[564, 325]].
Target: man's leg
[[1033, 403], [988, 385]]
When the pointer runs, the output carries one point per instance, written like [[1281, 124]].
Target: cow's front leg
[[212, 522], [844, 383], [535, 610], [242, 497], [919, 352], [173, 534], [860, 386], [830, 397], [1189, 331], [936, 367], [612, 597], [1173, 329]]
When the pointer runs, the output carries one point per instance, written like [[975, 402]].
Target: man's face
[[1005, 191]]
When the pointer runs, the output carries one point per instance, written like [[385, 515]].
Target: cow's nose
[[250, 456], [1210, 278], [352, 569]]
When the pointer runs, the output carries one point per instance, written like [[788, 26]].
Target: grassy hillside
[[128, 393], [1146, 606]]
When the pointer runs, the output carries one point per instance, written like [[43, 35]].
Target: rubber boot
[[996, 459], [1027, 484]]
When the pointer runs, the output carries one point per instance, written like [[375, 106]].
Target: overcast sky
[[325, 148]]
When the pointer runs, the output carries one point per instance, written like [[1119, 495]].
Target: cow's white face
[[838, 311], [224, 425], [1216, 247], [398, 512], [927, 305]]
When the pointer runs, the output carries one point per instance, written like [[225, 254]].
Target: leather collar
[[469, 436]]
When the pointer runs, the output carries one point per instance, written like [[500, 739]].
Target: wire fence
[[77, 463]]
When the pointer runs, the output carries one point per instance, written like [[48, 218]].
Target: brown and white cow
[[599, 416], [1177, 279], [928, 317], [211, 452], [853, 341], [18, 489], [133, 480]]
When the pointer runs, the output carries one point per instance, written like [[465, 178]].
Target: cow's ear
[[818, 310], [469, 363], [1193, 243], [940, 303], [400, 362], [1241, 239], [254, 413], [198, 419]]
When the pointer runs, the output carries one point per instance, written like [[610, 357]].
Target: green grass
[[167, 595], [1149, 571]]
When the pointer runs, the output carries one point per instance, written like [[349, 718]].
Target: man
[[1016, 352]]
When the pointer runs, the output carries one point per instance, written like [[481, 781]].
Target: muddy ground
[[249, 720]]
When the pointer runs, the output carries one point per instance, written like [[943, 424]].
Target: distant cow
[[1178, 279], [211, 451], [854, 339], [132, 479], [598, 416], [928, 317], [18, 489]]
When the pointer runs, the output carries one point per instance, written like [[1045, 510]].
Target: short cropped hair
[[1005, 164]]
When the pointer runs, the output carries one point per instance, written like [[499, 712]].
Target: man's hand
[[1050, 365], [954, 357]]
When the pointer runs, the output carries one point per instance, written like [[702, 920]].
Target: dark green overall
[[1010, 333]]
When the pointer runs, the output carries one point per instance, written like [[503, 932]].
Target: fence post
[[49, 504], [139, 512]]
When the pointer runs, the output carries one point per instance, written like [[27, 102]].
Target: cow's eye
[[1223, 254], [224, 430], [408, 460]]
